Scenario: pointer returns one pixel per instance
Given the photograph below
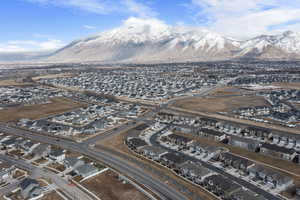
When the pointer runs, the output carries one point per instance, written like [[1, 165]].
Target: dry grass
[[57, 166], [12, 82], [108, 186], [18, 174], [224, 104], [63, 75], [16, 152], [57, 105], [288, 85], [227, 91]]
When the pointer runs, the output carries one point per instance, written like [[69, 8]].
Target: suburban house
[[57, 155], [278, 151], [10, 143], [208, 122], [28, 146], [30, 188], [257, 132], [72, 162], [42, 150], [205, 150], [229, 127], [213, 134], [236, 162], [194, 171], [135, 143], [245, 143], [288, 140], [6, 172], [221, 186], [270, 177], [86, 170], [177, 140], [153, 152], [172, 160]]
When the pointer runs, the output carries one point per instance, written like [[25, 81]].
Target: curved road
[[161, 189]]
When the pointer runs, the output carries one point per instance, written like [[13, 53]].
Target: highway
[[161, 189]]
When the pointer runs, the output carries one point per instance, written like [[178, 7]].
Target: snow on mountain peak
[[151, 39]]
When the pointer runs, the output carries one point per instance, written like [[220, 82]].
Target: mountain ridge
[[153, 41]]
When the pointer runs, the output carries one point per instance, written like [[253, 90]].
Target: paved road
[[73, 192], [163, 190], [109, 133], [242, 182]]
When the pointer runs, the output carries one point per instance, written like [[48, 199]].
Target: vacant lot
[[288, 85], [227, 91], [57, 105], [63, 75], [107, 186], [220, 104], [11, 82]]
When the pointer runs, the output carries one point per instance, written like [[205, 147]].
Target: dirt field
[[288, 85], [220, 104], [52, 196], [12, 82], [63, 75], [107, 186], [57, 105], [227, 91]]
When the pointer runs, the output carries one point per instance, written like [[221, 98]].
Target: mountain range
[[157, 42]]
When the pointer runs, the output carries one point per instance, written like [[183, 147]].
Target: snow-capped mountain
[[282, 46], [153, 41]]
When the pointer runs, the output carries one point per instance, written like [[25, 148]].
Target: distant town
[[173, 131]]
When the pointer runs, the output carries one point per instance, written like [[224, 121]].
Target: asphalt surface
[[160, 188], [245, 184]]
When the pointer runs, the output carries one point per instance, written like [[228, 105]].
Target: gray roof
[[27, 182], [72, 161], [86, 170], [56, 152], [154, 149], [196, 168]]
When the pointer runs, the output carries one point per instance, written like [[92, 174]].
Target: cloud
[[247, 18], [94, 6], [30, 45], [89, 27], [103, 7], [140, 9]]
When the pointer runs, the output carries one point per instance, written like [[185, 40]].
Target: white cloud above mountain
[[248, 18], [103, 7], [31, 45]]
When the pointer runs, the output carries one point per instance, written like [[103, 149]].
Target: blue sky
[[31, 25]]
